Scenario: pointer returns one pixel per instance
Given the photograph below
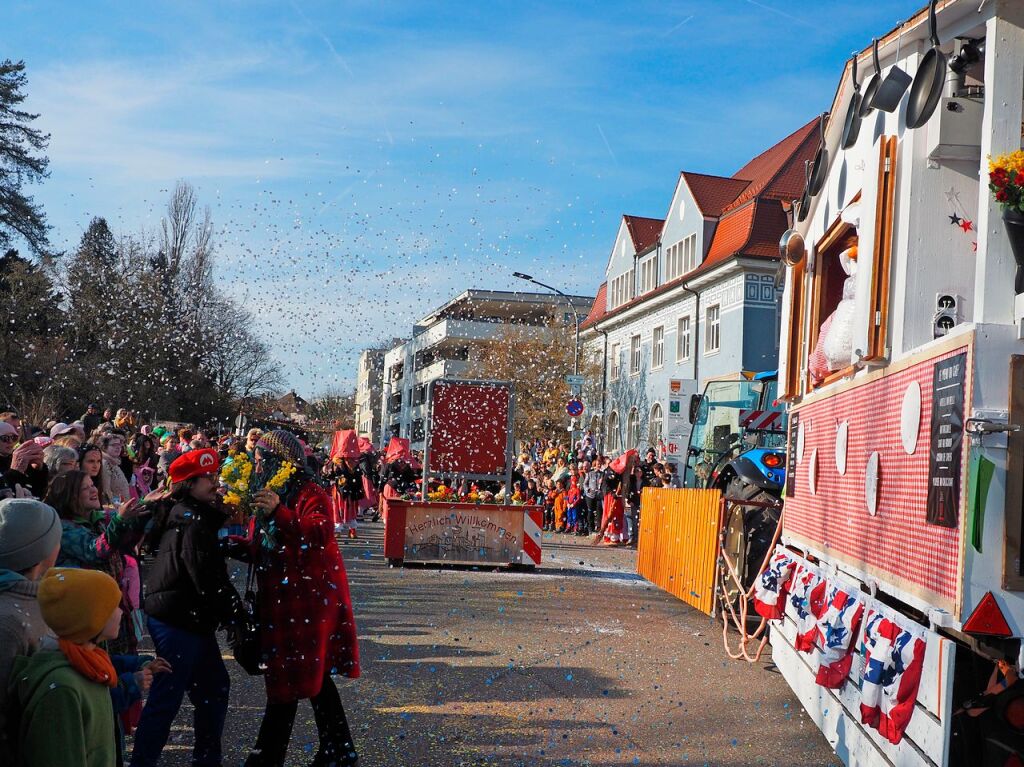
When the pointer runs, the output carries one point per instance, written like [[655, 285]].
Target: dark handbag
[[245, 641]]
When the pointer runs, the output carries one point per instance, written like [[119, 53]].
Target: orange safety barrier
[[678, 548]]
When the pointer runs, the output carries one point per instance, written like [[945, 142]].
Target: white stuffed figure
[[838, 347], [834, 349]]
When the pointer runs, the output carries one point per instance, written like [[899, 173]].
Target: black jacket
[[35, 480], [90, 422], [402, 478], [188, 586]]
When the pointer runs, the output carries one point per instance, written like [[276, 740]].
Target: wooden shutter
[[790, 387], [882, 256]]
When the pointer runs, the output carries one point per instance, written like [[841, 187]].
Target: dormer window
[[681, 257]]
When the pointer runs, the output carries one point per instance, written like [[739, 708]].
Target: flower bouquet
[[1006, 182], [236, 476]]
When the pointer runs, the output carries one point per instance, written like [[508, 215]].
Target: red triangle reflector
[[987, 619]]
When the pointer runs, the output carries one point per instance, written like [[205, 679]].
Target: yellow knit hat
[[77, 604]]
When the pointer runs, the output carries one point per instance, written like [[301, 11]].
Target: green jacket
[[62, 717]]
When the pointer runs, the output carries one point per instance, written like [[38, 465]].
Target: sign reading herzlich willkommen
[[458, 534]]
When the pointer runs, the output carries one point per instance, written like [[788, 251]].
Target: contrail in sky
[[606, 144]]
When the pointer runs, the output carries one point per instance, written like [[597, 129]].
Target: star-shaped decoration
[[952, 196], [955, 220], [967, 225]]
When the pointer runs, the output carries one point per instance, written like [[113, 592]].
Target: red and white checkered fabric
[[897, 541]]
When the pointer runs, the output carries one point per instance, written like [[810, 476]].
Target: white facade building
[[368, 390], [442, 347], [692, 297]]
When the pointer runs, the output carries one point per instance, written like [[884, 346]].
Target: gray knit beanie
[[29, 532]]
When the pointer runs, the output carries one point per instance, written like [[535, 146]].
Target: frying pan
[[820, 170], [890, 91], [864, 106], [805, 198], [929, 79], [851, 128]]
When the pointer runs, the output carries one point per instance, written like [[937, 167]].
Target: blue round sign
[[574, 408]]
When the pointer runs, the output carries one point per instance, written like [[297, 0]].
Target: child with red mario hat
[[188, 598]]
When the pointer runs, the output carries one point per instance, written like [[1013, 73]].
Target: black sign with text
[[945, 447], [794, 435]]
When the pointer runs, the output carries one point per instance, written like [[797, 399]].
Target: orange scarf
[[94, 664]]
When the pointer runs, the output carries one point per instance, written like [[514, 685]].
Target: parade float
[[895, 594], [455, 518]]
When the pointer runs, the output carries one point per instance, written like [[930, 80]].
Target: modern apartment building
[[368, 389], [442, 346]]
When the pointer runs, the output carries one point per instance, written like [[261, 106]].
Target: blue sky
[[366, 161]]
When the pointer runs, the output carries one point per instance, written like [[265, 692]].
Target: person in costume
[[307, 627], [613, 519], [346, 480], [398, 477], [368, 462]]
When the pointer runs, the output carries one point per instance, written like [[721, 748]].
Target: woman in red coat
[[308, 629]]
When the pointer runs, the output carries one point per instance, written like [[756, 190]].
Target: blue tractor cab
[[738, 445]]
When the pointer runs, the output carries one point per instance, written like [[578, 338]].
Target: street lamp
[[575, 316], [576, 319]]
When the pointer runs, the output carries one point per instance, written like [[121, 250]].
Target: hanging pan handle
[[874, 56], [856, 85], [933, 24]]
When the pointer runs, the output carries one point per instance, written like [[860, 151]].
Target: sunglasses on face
[[9, 438]]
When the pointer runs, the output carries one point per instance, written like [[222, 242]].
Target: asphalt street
[[578, 664]]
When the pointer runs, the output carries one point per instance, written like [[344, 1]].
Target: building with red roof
[[692, 296]]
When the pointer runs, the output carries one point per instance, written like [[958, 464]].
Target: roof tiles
[[713, 193], [644, 231]]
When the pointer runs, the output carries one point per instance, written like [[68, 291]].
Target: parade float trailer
[[468, 440], [898, 578]]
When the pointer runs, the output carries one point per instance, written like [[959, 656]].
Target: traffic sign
[[574, 408], [241, 422], [574, 380]]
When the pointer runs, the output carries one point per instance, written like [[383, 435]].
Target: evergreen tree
[[21, 160]]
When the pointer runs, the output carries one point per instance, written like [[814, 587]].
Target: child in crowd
[[572, 503], [29, 543], [549, 504], [559, 506], [62, 695]]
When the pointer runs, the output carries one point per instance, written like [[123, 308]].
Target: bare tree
[[239, 363], [333, 406], [536, 365]]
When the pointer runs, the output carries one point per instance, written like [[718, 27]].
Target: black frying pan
[[805, 198], [851, 128], [864, 108], [931, 76], [820, 170]]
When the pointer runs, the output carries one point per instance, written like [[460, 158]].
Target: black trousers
[[336, 745], [594, 510]]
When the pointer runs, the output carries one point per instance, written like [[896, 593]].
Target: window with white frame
[[634, 355], [613, 432], [683, 339], [690, 253], [656, 429], [621, 289], [658, 347], [614, 373], [633, 429], [713, 329], [649, 274], [681, 257]]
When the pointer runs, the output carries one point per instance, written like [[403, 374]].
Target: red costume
[[305, 609]]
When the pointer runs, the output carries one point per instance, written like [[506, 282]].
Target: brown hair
[[64, 495]]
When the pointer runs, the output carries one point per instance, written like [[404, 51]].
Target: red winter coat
[[305, 609]]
